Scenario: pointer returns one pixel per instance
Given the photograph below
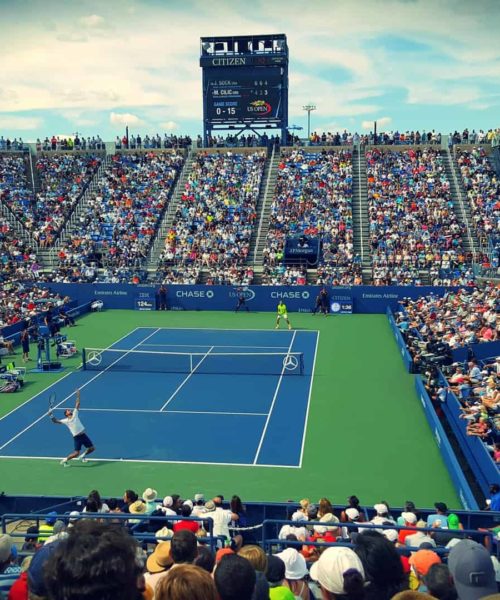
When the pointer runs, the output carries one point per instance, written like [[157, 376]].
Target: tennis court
[[205, 396]]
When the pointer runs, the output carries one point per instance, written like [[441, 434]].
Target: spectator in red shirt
[[189, 525]]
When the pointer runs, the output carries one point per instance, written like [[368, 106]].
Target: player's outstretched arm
[[77, 405], [54, 420]]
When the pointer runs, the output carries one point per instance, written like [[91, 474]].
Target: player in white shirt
[[80, 438]]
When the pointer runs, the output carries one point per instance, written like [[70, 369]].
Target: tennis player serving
[[80, 438], [282, 312]]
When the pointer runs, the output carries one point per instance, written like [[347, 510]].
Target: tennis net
[[217, 363]]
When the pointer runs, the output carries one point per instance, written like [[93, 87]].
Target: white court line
[[270, 330], [276, 391], [81, 387], [168, 412], [63, 377], [309, 401], [147, 460], [186, 379], [216, 346]]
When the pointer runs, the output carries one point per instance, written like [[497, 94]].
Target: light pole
[[309, 108]]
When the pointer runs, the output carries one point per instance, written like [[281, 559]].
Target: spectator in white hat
[[167, 506], [340, 574], [297, 527], [149, 496], [295, 573], [382, 517]]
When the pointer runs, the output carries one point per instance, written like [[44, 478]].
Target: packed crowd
[[19, 301], [456, 319], [63, 179], [477, 387], [18, 260], [15, 190], [214, 221], [95, 553], [483, 192], [412, 222], [312, 198], [120, 219]]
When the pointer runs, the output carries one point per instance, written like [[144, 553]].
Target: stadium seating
[[214, 221], [18, 260], [412, 223], [313, 197], [122, 214], [483, 192]]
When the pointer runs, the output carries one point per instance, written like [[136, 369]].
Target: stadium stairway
[[460, 203], [168, 217], [361, 227], [263, 210], [48, 256]]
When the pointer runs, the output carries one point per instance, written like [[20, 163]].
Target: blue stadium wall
[[359, 299]]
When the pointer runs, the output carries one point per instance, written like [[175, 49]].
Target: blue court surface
[[232, 397]]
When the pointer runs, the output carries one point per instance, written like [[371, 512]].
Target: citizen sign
[[194, 294], [297, 295]]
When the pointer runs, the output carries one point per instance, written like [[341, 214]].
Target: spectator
[[296, 573], [339, 572], [382, 566], [421, 561], [234, 578], [95, 561], [205, 559], [275, 575], [439, 582], [158, 564], [183, 548], [186, 581], [472, 571], [193, 526], [9, 570]]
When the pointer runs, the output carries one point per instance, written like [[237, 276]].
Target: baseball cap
[[472, 570], [199, 497], [352, 513], [409, 517], [381, 509], [222, 552], [51, 518], [331, 566], [391, 534], [36, 569], [422, 560], [295, 563]]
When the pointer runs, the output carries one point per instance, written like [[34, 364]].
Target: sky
[[94, 67]]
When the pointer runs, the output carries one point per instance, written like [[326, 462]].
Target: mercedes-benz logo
[[94, 358], [290, 362]]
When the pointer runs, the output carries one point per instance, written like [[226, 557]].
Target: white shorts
[[285, 316]]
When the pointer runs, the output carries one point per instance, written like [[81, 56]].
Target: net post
[[190, 363], [84, 359], [301, 363]]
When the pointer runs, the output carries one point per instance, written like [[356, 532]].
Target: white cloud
[[381, 122], [23, 123], [169, 126], [93, 21], [125, 119]]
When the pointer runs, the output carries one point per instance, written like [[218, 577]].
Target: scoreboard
[[244, 94]]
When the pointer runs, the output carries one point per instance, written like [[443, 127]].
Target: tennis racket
[[52, 403]]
